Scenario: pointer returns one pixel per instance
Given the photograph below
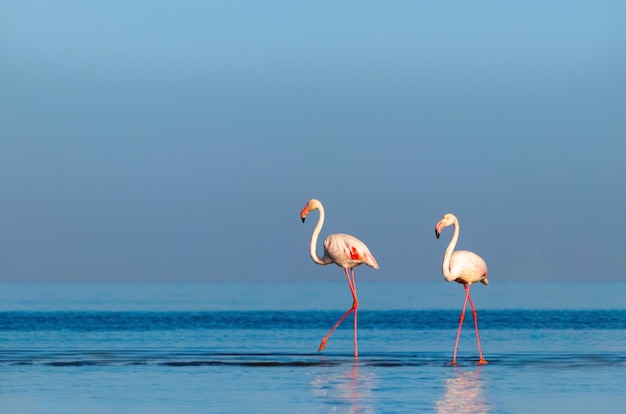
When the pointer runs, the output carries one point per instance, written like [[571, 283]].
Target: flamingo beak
[[438, 229], [304, 212]]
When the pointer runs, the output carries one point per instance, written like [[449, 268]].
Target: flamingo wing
[[347, 251], [468, 267]]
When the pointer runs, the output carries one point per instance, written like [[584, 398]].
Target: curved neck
[[449, 250], [314, 236]]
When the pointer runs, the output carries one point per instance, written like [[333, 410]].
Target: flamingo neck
[[314, 236], [449, 250]]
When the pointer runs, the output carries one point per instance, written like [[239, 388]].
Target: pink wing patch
[[354, 253]]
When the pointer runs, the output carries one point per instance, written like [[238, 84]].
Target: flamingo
[[466, 268], [345, 251]]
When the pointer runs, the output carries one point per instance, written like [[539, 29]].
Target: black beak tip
[[436, 234], [303, 219]]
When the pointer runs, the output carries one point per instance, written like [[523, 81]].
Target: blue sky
[[154, 140]]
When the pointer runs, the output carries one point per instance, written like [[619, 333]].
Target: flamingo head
[[313, 204], [447, 220]]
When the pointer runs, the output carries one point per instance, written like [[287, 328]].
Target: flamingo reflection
[[464, 394], [343, 389]]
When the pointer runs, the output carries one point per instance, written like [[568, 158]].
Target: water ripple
[[82, 358], [292, 320]]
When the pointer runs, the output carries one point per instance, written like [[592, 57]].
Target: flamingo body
[[467, 267], [345, 251], [464, 267]]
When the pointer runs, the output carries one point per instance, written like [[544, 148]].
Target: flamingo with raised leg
[[345, 251], [466, 268]]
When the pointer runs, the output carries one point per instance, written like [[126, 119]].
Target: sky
[[179, 140]]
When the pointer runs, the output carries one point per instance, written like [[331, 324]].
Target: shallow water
[[223, 348]]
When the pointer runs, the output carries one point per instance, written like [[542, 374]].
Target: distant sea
[[252, 348]]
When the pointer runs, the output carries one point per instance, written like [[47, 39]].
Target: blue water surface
[[230, 348]]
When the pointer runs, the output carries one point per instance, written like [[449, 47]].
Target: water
[[231, 348]]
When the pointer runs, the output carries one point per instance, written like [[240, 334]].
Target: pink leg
[[355, 304], [458, 334], [481, 361]]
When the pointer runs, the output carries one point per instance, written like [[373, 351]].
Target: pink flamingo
[[345, 251], [463, 267]]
